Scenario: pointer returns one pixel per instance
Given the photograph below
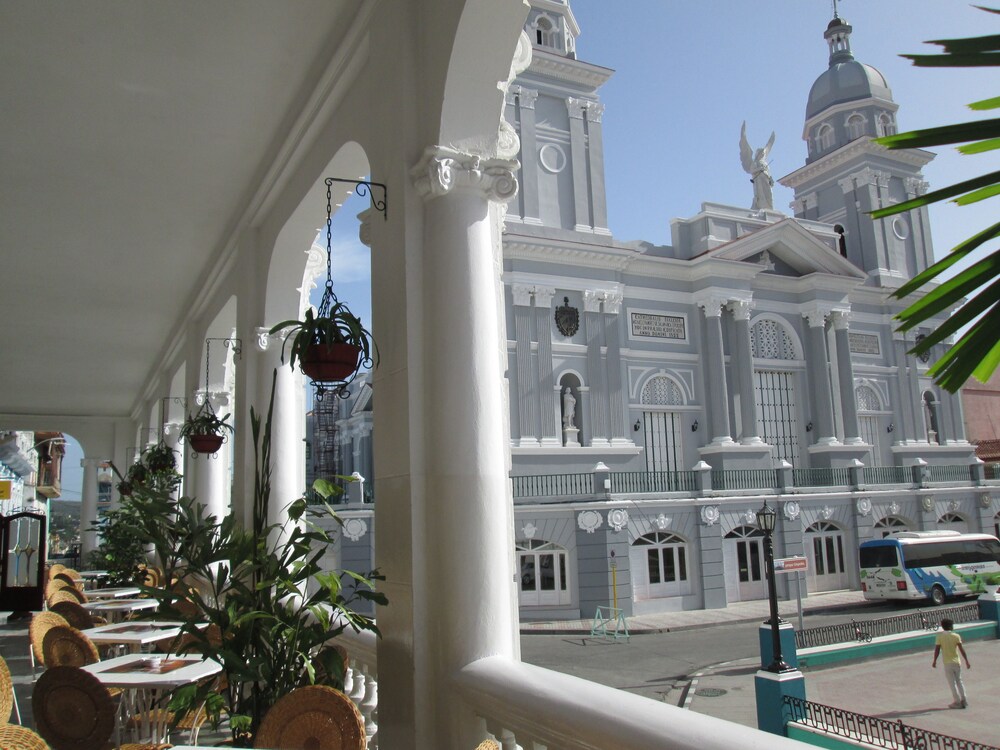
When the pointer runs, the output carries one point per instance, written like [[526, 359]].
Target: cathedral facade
[[659, 395]]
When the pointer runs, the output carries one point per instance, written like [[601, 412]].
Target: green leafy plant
[[272, 610], [206, 422], [977, 350], [338, 326]]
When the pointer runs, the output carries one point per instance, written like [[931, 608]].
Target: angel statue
[[756, 166]]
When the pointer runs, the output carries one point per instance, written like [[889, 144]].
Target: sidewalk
[[665, 622]]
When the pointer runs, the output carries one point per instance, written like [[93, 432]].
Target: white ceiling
[[132, 135]]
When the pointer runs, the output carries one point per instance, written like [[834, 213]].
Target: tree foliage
[[977, 350]]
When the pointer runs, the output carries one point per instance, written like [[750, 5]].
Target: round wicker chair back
[[66, 578], [65, 595], [315, 717], [73, 613], [6, 693], [488, 745], [14, 737], [73, 574], [65, 646], [40, 624], [72, 709]]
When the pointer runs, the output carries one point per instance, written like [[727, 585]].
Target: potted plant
[[330, 346], [205, 431]]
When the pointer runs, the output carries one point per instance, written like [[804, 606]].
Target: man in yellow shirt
[[949, 643]]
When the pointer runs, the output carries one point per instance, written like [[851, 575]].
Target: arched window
[[662, 432], [543, 573], [774, 390], [825, 547], [824, 137], [841, 241], [931, 417], [659, 562], [953, 522], [855, 126], [545, 33], [868, 403], [886, 125], [890, 525]]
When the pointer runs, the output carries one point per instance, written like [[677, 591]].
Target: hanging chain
[[329, 298]]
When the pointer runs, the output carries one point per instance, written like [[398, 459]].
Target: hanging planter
[[205, 432], [331, 344]]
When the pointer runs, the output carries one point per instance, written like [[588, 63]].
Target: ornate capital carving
[[527, 97], [508, 142], [816, 317], [443, 170], [740, 308], [613, 302], [543, 296], [264, 338], [915, 186], [846, 184], [712, 306], [595, 111], [522, 294], [365, 228], [576, 107], [591, 301], [841, 319]]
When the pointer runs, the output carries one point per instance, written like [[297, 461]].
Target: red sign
[[790, 564]]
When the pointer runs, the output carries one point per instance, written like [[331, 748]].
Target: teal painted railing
[[958, 473], [654, 481], [992, 471], [821, 477], [541, 485], [744, 479], [887, 475]]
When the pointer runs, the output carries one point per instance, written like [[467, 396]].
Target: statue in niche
[[569, 408], [755, 164]]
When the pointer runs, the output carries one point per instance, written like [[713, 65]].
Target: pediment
[[786, 248]]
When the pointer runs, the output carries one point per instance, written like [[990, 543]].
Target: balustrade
[[542, 485], [744, 479]]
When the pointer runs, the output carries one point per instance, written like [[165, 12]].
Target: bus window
[[878, 557]]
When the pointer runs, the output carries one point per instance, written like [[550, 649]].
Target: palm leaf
[[938, 195], [992, 103], [958, 133], [989, 144]]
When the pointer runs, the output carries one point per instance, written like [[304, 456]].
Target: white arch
[[574, 373], [676, 382], [789, 331], [859, 390]]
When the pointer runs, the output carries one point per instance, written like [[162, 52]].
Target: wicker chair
[[316, 717], [488, 745], [8, 699], [65, 577], [40, 624], [14, 737], [65, 646], [74, 711], [66, 594], [76, 615]]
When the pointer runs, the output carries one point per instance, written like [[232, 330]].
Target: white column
[[594, 330], [549, 404], [848, 405], [288, 425], [578, 162], [818, 364], [527, 389], [466, 606], [88, 506], [715, 364], [172, 439], [743, 367]]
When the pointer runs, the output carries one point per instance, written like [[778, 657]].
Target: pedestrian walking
[[948, 644]]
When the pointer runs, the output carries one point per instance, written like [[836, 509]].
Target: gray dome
[[845, 82]]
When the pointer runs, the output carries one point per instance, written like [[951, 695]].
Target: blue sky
[[689, 72]]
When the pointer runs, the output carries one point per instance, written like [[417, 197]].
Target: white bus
[[931, 564]]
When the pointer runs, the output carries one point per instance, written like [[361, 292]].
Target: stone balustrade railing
[[361, 678]]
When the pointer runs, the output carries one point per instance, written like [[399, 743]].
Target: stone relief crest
[[567, 318], [864, 506], [662, 521], [589, 521], [893, 508], [792, 510], [954, 505], [928, 503], [750, 516], [985, 500], [355, 528], [618, 518], [710, 514], [826, 513], [529, 530]]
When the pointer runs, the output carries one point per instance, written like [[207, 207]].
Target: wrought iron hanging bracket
[[363, 188]]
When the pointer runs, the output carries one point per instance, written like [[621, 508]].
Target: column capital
[[522, 294], [740, 308], [816, 316], [613, 302], [443, 170], [172, 429], [94, 462], [576, 107], [595, 111], [543, 296], [841, 319], [526, 97], [591, 300], [915, 186], [365, 227], [264, 338], [712, 305]]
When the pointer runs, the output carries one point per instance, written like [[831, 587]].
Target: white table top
[[137, 633], [122, 605], [119, 592], [94, 574], [143, 675]]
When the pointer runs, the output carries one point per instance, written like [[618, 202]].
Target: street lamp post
[[766, 520]]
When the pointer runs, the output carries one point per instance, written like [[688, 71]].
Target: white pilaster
[[88, 506]]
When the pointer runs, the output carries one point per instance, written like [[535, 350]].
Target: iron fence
[[654, 481], [887, 475], [865, 630], [871, 730], [992, 471], [959, 473], [744, 479], [556, 485], [821, 477]]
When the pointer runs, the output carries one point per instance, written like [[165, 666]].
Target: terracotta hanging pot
[[205, 443], [330, 363]]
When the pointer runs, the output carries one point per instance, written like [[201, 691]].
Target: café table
[[92, 578], [119, 592], [135, 635], [146, 679], [115, 609]]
